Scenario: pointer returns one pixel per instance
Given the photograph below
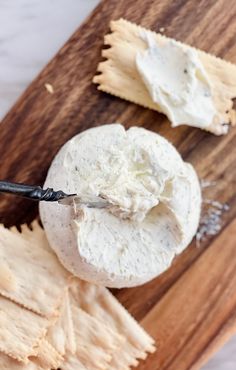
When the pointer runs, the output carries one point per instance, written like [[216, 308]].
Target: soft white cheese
[[176, 81], [155, 205]]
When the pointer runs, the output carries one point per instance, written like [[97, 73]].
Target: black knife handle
[[32, 192]]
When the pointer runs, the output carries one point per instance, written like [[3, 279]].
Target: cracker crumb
[[49, 88]]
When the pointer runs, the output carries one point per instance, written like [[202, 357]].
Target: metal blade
[[89, 201]]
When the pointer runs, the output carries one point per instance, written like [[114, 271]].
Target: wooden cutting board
[[191, 309]]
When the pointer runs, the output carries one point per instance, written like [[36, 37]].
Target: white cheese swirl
[[155, 200], [177, 82]]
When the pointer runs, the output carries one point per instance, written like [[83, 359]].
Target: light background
[[31, 32]]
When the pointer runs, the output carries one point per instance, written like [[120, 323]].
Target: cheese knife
[[37, 193]]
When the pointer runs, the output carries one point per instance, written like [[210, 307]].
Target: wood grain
[[190, 309]]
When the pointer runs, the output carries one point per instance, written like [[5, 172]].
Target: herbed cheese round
[[155, 202]]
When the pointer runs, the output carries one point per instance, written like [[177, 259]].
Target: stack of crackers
[[51, 320]]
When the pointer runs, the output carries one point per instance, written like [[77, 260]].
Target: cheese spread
[[176, 81], [154, 199]]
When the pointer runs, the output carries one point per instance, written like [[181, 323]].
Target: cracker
[[95, 342], [7, 363], [119, 76], [101, 304], [61, 335], [21, 330], [68, 325], [48, 357], [73, 363], [32, 233], [31, 275], [57, 336]]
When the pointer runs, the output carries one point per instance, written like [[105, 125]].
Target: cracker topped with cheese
[[188, 85]]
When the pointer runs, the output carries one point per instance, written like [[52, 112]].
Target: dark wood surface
[[190, 309]]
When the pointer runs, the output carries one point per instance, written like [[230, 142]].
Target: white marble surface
[[31, 32]]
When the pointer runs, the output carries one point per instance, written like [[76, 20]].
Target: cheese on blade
[[144, 178]]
